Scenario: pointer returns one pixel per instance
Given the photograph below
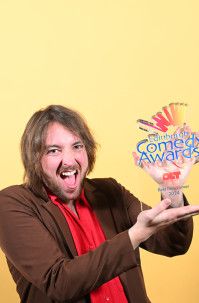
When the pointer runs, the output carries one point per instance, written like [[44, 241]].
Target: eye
[[79, 146], [52, 151]]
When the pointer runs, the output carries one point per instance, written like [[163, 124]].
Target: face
[[64, 162]]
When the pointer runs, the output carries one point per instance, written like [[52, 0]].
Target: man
[[72, 239]]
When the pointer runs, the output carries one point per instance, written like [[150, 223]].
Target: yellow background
[[115, 61]]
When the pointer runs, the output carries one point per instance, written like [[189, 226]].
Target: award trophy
[[168, 150]]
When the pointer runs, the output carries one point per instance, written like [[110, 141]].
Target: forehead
[[59, 134]]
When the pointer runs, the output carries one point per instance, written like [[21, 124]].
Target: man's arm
[[150, 222], [159, 230], [37, 256], [171, 177]]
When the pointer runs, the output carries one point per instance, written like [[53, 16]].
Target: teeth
[[68, 173]]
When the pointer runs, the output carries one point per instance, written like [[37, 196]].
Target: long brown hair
[[33, 142]]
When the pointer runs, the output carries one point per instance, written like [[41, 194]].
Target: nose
[[68, 158]]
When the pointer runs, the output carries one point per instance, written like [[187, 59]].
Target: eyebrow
[[78, 142], [53, 145], [58, 146]]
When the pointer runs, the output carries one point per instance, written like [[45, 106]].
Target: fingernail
[[167, 201]]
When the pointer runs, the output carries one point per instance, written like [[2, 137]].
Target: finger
[[164, 204], [188, 216], [187, 210], [175, 214], [170, 221], [136, 158], [146, 165]]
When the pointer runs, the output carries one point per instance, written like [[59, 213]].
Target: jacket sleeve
[[36, 255], [170, 241]]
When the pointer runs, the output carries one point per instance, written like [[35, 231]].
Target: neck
[[71, 205]]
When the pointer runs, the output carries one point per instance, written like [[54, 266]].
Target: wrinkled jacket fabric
[[41, 254]]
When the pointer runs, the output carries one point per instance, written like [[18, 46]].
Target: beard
[[56, 190]]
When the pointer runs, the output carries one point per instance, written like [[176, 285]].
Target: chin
[[59, 191], [63, 196]]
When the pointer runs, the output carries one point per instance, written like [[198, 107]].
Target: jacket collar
[[99, 202]]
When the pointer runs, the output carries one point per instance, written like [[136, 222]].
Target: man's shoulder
[[15, 189], [17, 193], [103, 184], [102, 181]]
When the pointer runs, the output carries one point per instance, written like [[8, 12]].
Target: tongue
[[70, 181]]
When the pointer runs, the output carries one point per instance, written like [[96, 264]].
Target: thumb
[[164, 204], [136, 158]]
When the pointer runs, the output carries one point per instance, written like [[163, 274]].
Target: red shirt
[[87, 235]]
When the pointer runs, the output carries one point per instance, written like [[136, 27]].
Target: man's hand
[[160, 216], [181, 164], [178, 169]]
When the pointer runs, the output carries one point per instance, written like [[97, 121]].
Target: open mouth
[[69, 177]]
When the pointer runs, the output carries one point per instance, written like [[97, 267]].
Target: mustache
[[63, 167]]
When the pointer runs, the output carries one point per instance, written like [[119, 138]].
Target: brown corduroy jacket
[[42, 258]]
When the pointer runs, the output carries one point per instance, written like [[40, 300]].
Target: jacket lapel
[[99, 202], [61, 223]]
